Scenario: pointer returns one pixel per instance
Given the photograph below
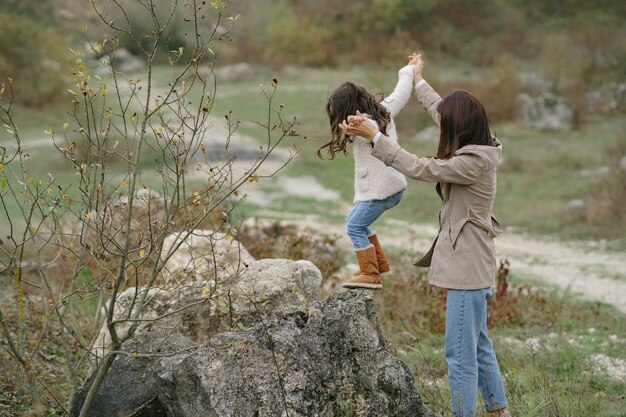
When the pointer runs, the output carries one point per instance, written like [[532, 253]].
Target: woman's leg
[[464, 315], [489, 379]]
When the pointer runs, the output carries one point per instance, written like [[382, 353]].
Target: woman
[[462, 258]]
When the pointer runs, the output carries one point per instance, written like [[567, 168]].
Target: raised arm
[[425, 94], [428, 98], [402, 93]]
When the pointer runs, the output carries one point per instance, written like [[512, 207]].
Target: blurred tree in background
[[33, 52], [537, 34]]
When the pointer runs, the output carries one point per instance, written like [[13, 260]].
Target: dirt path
[[572, 267]]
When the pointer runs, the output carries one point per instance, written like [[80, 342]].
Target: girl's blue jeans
[[363, 214], [471, 359]]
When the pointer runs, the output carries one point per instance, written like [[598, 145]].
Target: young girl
[[377, 188], [462, 259]]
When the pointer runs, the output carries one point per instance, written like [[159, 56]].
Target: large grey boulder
[[328, 360], [546, 112]]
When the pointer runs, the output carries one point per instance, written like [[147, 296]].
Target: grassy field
[[540, 174]]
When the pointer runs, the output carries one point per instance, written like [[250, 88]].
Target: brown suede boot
[[383, 264], [369, 276]]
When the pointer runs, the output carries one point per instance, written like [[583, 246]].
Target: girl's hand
[[354, 126]]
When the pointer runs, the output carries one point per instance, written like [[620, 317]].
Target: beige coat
[[462, 256]]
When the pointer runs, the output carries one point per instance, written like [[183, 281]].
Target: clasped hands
[[354, 125]]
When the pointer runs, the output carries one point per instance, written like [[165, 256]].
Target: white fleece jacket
[[373, 180]]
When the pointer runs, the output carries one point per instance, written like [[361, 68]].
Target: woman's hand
[[416, 59], [357, 126]]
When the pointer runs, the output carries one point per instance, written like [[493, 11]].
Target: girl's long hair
[[345, 101], [463, 121]]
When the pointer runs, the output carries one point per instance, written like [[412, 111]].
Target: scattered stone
[[546, 112], [120, 61], [615, 368], [535, 84], [620, 96], [235, 72], [595, 102], [576, 205], [595, 172], [622, 163]]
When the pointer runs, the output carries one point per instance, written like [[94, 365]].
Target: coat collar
[[490, 153]]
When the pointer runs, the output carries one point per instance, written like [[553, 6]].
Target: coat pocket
[[445, 245], [362, 180]]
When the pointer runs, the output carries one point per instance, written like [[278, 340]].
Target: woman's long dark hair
[[463, 122], [345, 101]]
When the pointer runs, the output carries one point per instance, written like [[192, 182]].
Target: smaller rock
[[595, 172], [595, 102], [576, 205], [235, 72], [534, 83], [546, 112], [203, 255], [620, 96], [622, 163], [120, 61]]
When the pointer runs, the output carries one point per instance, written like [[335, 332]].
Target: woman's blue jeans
[[363, 214], [471, 359]]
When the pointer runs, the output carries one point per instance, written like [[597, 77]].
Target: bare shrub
[[71, 247]]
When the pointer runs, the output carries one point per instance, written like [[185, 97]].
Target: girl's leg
[[349, 217], [363, 214], [489, 379], [358, 220], [464, 314]]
